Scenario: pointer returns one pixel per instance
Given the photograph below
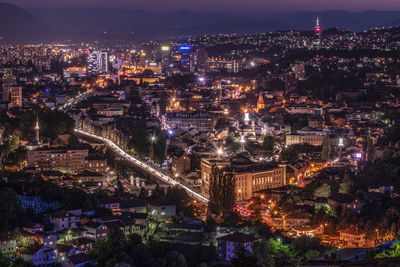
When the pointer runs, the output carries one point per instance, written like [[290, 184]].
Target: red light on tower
[[317, 27]]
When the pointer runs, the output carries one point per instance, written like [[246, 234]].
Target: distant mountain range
[[39, 24], [18, 25]]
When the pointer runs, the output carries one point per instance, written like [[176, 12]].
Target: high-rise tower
[[318, 35]]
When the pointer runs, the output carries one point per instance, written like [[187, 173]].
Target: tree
[[73, 140], [256, 206], [222, 195], [112, 251], [289, 154], [158, 192], [159, 148], [243, 258], [3, 260], [143, 193], [268, 143], [220, 124], [10, 209], [394, 251], [231, 144], [323, 191], [273, 252], [181, 199], [138, 143], [394, 133], [387, 155], [326, 148], [9, 146], [175, 259], [346, 184], [19, 262]]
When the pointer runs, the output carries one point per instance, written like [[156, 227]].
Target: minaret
[[37, 129]]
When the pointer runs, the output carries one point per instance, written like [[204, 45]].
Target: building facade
[[249, 176], [229, 245], [68, 159], [294, 139]]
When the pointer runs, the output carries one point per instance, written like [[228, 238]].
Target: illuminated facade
[[249, 176], [92, 63], [260, 103], [103, 62], [294, 139], [74, 71], [58, 159], [185, 59], [13, 95]]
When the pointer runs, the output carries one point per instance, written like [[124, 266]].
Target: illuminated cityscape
[[217, 147]]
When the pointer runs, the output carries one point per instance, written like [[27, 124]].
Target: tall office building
[[202, 56], [13, 95], [318, 35], [236, 67], [201, 59], [103, 62], [165, 56], [93, 63], [300, 71], [185, 60]]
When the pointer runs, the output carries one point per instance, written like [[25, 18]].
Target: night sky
[[225, 6]]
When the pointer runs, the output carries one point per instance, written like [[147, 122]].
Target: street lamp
[[220, 152], [153, 139]]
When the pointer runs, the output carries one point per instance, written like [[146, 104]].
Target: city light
[[246, 116], [341, 142], [184, 48], [270, 125], [145, 166]]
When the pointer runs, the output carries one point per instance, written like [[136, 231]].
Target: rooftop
[[238, 237]]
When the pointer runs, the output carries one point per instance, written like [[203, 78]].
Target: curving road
[[145, 166]]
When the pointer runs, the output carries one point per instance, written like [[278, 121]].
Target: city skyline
[[197, 133], [254, 7]]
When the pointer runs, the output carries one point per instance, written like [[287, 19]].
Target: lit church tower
[[260, 103]]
